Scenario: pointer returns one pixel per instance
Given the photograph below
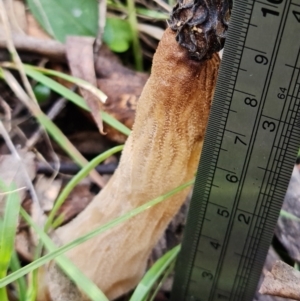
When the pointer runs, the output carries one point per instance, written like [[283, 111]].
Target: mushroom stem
[[161, 153]]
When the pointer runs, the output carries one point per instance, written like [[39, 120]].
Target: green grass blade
[[76, 179], [51, 128], [36, 74], [46, 258], [136, 46], [150, 278], [21, 283], [116, 124], [61, 139], [75, 80], [8, 229], [167, 272], [3, 294], [288, 215], [32, 286], [57, 87], [86, 285]]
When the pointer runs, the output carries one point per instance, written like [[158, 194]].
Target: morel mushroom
[[161, 153]]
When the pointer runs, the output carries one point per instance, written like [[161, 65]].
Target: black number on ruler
[[238, 139], [207, 275], [275, 1], [281, 95], [297, 15], [252, 102], [269, 125], [223, 212], [261, 59], [231, 178], [215, 245], [244, 219], [266, 11]]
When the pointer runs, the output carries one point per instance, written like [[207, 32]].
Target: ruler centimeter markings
[[250, 146]]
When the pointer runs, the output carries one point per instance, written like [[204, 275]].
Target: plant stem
[[137, 51]]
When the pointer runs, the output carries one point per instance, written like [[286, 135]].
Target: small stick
[[72, 168], [49, 48]]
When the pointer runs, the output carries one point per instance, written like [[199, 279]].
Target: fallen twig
[[48, 48], [72, 168]]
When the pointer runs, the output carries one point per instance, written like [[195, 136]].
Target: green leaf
[[148, 281], [80, 18], [68, 17], [117, 34]]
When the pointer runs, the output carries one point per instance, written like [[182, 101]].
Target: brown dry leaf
[[78, 199], [282, 281], [272, 257], [80, 56], [123, 88]]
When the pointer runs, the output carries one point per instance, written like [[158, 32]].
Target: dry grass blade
[[79, 82]]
